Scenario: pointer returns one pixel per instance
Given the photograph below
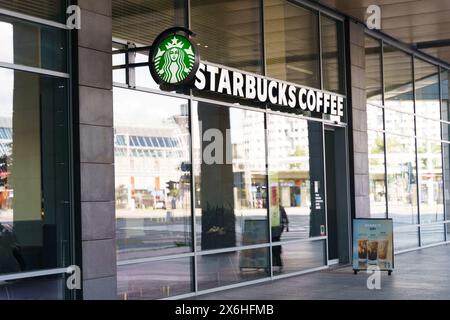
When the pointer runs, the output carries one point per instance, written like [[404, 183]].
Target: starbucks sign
[[174, 59]]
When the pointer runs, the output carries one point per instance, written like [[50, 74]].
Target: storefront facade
[[160, 194]]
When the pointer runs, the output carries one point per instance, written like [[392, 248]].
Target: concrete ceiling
[[425, 23]]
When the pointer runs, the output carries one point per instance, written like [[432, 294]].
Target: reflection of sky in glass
[[6, 39], [6, 75], [144, 78], [140, 57], [6, 92], [141, 109], [118, 59], [237, 124], [119, 76]]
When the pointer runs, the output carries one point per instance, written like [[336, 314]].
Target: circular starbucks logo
[[174, 59]]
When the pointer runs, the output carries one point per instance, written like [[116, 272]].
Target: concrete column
[[358, 115], [96, 150], [217, 199]]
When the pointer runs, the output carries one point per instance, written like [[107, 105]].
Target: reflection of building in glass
[[289, 159], [248, 160], [148, 165]]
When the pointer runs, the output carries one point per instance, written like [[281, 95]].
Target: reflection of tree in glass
[[378, 146], [393, 145], [299, 152]]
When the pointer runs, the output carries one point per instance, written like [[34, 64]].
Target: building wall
[[358, 130], [96, 150]]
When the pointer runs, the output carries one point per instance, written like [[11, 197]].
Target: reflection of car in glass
[[160, 205]]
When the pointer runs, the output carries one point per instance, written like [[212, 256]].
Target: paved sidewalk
[[422, 274]]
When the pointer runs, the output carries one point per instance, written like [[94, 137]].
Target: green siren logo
[[173, 59]]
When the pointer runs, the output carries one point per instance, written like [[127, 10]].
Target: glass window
[[374, 117], [288, 258], [230, 169], [32, 44], [405, 237], [446, 167], [427, 89], [119, 76], [141, 56], [41, 288], [332, 55], [140, 21], [118, 57], [401, 178], [144, 79], [377, 175], [428, 129], [34, 187], [120, 140], [228, 268], [445, 114], [155, 142], [153, 215], [296, 185], [148, 142], [161, 142], [431, 188], [141, 141], [374, 85], [119, 152], [154, 280], [229, 32], [432, 234], [46, 9], [445, 131], [400, 123], [398, 80], [292, 43]]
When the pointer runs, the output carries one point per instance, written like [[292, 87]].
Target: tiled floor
[[422, 274]]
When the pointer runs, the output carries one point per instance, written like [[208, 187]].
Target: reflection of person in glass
[[11, 259], [277, 231]]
